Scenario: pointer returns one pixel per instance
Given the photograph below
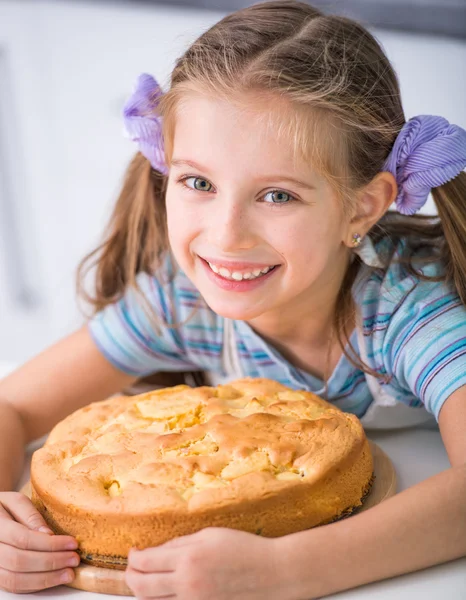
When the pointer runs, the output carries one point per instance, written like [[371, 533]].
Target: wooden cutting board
[[110, 581]]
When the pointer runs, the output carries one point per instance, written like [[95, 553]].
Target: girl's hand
[[31, 557], [212, 564]]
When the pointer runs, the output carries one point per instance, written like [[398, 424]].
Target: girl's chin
[[231, 310]]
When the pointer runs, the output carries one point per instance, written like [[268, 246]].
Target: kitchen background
[[66, 68]]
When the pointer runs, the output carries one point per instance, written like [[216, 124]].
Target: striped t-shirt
[[413, 330]]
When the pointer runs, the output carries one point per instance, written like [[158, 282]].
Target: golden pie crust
[[253, 455]]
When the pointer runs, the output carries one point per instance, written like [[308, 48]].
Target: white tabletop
[[417, 454]]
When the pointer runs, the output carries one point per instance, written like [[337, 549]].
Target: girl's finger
[[19, 536], [152, 560], [150, 585], [24, 511], [18, 583], [4, 514], [14, 559]]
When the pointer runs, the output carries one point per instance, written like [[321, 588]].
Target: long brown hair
[[329, 64]]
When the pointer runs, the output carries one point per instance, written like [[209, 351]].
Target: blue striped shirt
[[413, 330]]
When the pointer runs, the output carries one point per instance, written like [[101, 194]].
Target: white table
[[417, 454]]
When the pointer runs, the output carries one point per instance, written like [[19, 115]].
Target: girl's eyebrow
[[297, 182], [178, 162]]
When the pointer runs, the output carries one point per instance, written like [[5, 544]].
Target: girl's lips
[[246, 285]]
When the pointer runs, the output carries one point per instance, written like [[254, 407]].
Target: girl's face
[[256, 231]]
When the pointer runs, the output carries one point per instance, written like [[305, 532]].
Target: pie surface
[[252, 455]]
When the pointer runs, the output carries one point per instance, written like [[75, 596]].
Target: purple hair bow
[[142, 122], [427, 153]]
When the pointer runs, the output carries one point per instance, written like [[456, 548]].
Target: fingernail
[[45, 530], [66, 577], [71, 545], [73, 562]]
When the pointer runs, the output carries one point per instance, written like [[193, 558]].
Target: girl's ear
[[373, 201]]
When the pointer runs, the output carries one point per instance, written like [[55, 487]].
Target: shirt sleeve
[[425, 344], [138, 335]]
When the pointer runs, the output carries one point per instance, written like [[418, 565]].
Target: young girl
[[253, 237]]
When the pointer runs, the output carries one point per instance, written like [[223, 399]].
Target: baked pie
[[252, 455]]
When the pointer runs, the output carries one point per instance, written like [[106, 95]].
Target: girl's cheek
[[179, 241]]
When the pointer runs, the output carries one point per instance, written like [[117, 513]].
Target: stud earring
[[357, 239]]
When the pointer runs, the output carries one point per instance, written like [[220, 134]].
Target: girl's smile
[[237, 277]]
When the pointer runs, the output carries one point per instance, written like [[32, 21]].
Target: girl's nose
[[231, 226]]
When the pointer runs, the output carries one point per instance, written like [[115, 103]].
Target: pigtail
[[135, 240], [450, 200]]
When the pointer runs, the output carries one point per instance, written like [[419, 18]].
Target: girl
[[258, 241]]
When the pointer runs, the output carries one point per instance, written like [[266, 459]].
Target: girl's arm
[[33, 399], [419, 527]]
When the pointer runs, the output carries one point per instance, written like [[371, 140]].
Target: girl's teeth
[[236, 275]]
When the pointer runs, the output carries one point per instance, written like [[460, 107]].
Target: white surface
[[417, 454], [6, 367]]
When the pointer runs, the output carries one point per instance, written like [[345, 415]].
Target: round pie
[[252, 455]]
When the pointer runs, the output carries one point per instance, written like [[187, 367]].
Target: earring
[[357, 239]]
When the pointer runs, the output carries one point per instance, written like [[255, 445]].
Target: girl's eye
[[278, 197], [197, 183]]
